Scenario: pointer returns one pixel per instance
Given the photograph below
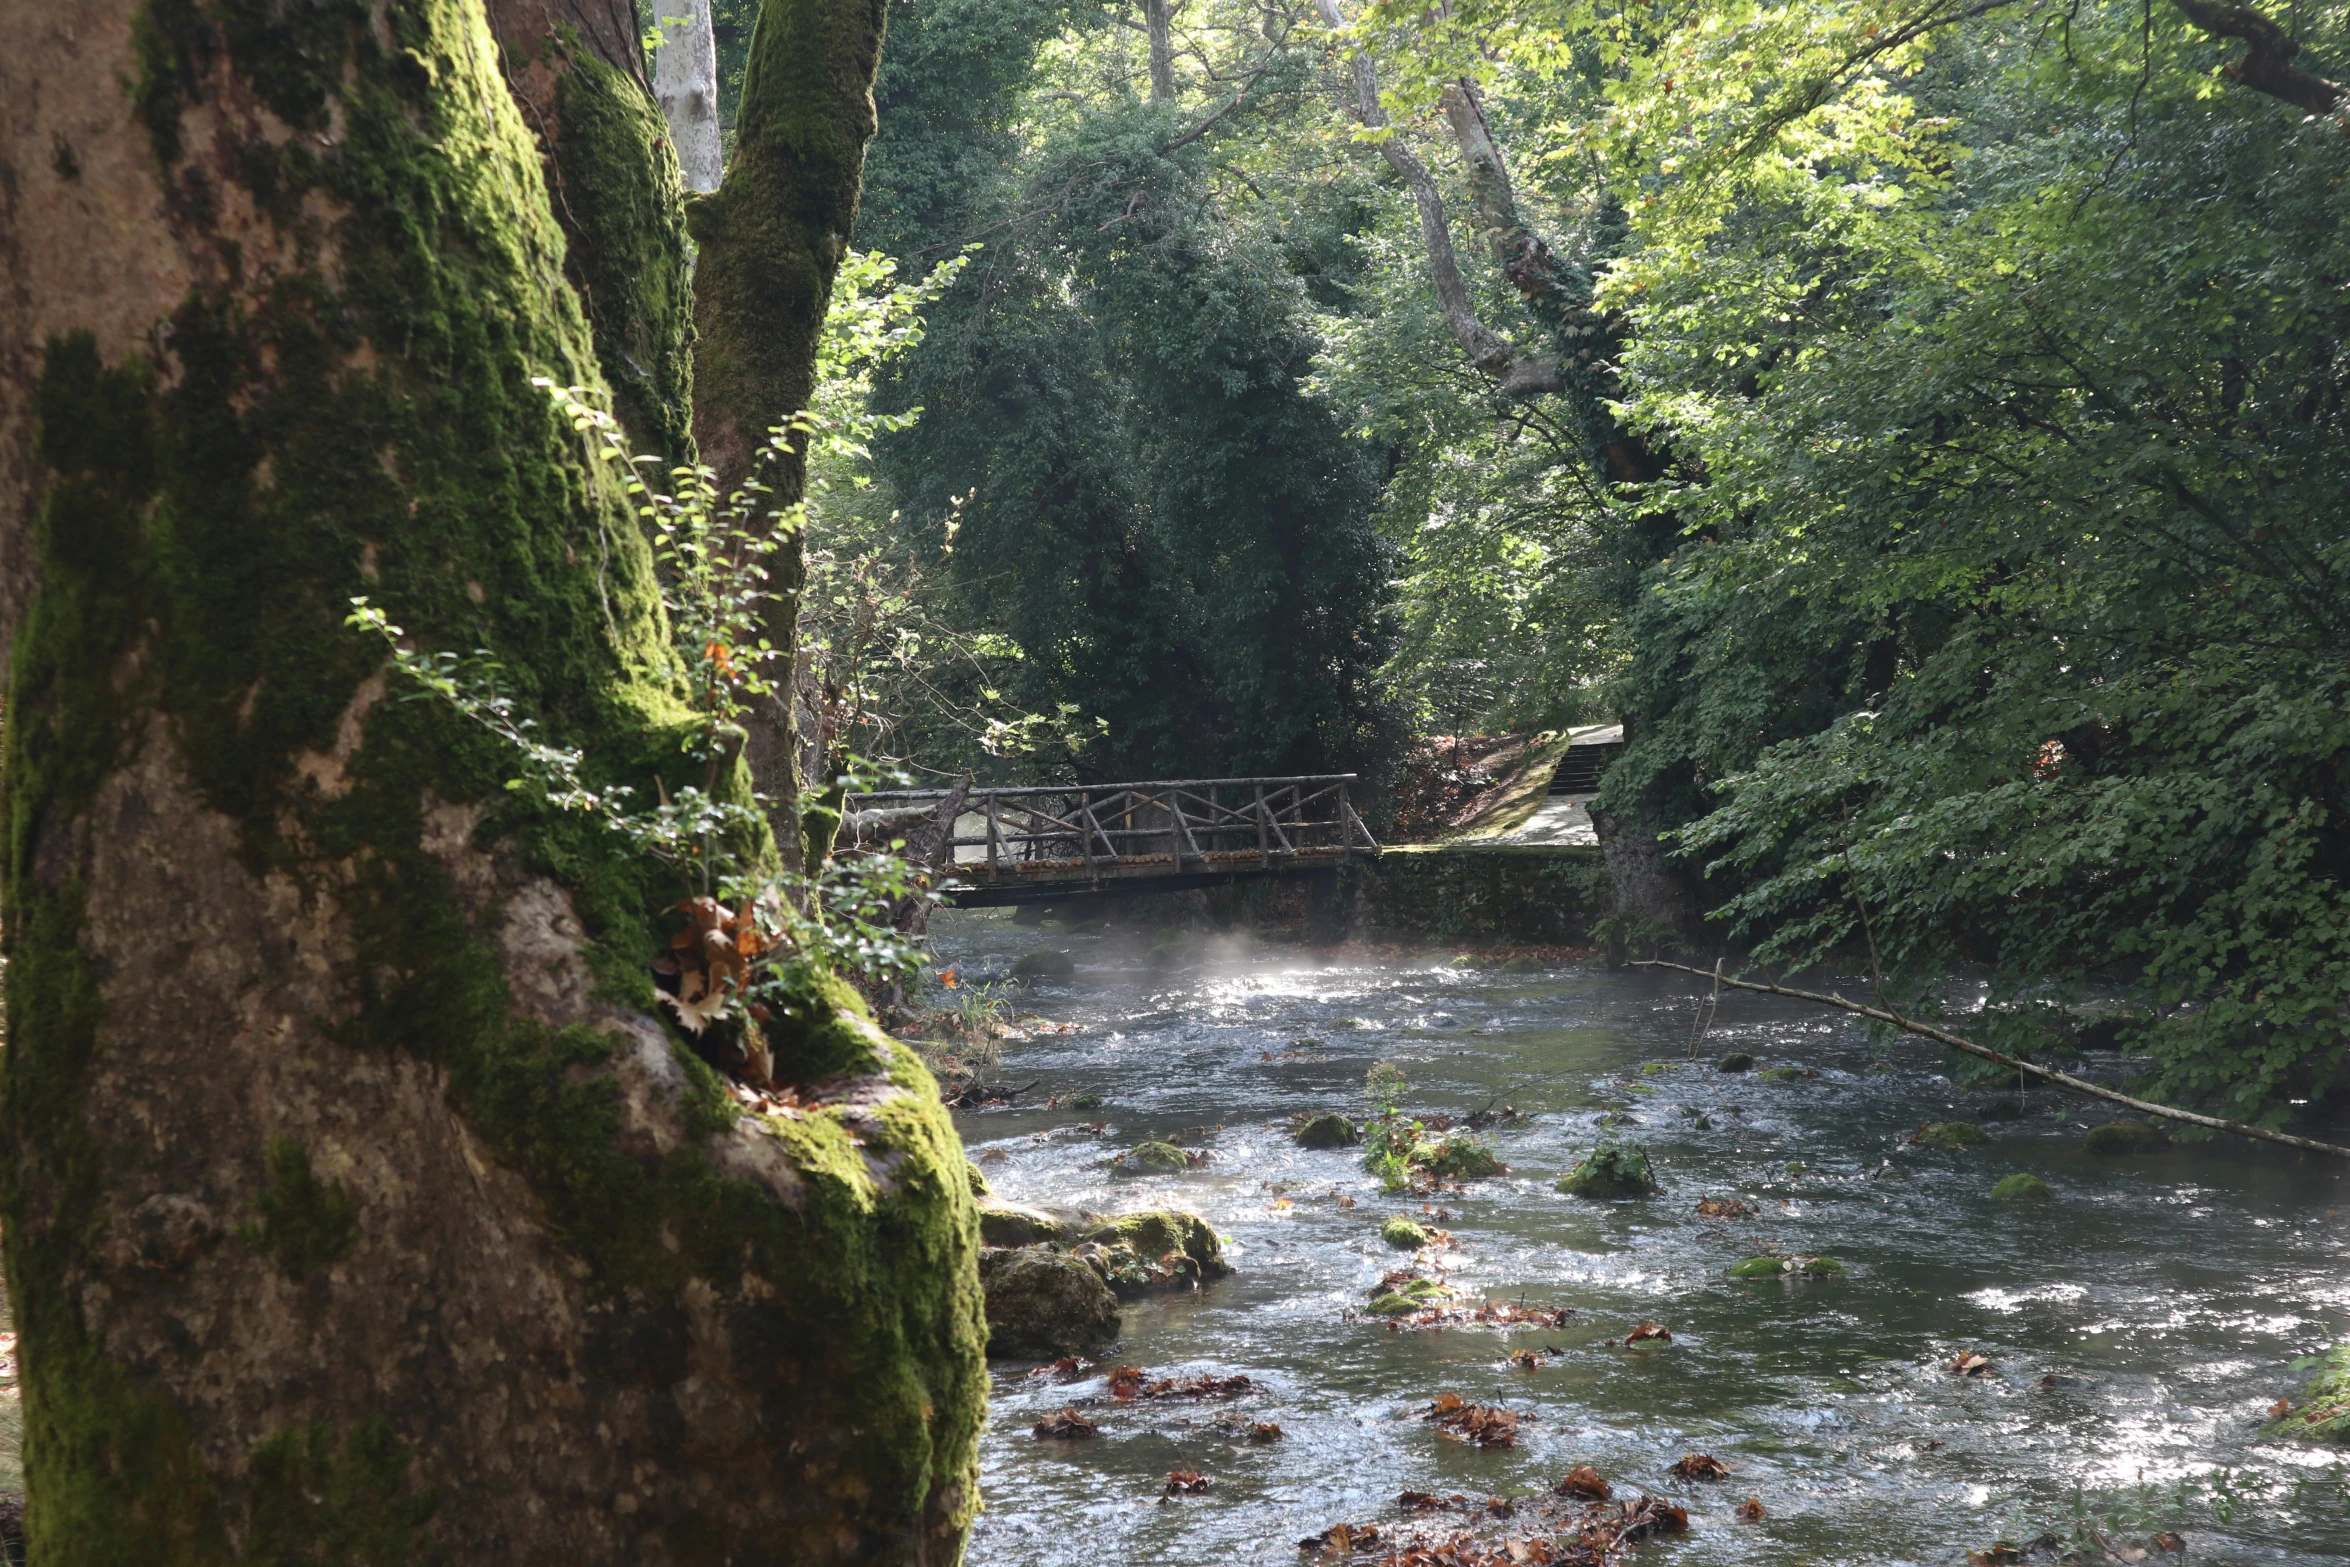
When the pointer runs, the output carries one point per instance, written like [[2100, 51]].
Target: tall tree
[[359, 1208], [685, 79]]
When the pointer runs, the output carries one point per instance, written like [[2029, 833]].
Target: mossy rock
[[1781, 1074], [1948, 1135], [2023, 1188], [1153, 1158], [1418, 1295], [1786, 1267], [2124, 1137], [1020, 1224], [978, 1179], [2109, 1028], [1159, 1233], [1045, 966], [1523, 963], [1456, 1159], [1084, 1101], [1042, 1303], [2322, 1411], [1327, 1130], [1735, 1061], [1403, 1234], [1611, 1170]]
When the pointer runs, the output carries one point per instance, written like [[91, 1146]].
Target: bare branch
[[2267, 65], [2078, 1085]]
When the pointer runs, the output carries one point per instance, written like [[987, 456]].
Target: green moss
[[1153, 1158], [1413, 1295], [1781, 1074], [1458, 1158], [206, 520], [1160, 1232], [2022, 1188], [1949, 1136], [1403, 1234], [305, 1222], [2321, 1411], [1610, 1171], [978, 1179], [1327, 1130]]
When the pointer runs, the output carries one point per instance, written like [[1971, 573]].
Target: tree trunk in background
[[1158, 22], [358, 1209], [577, 69], [685, 80], [771, 239]]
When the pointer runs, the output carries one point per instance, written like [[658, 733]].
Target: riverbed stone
[[1455, 1158], [1042, 1302], [1781, 1074], [1786, 1267], [1159, 1233], [1153, 1158], [2023, 1188], [1735, 1061], [1327, 1130], [1403, 1234], [1949, 1136], [1024, 1224], [2124, 1137], [1609, 1171], [2320, 1412]]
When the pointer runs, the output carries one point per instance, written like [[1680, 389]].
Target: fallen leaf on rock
[[1585, 1481], [1968, 1364], [1649, 1333], [1478, 1423], [1525, 1359], [1724, 1208], [1065, 1425], [1750, 1510], [1126, 1381], [1341, 1538], [1653, 1515], [1185, 1482], [1701, 1466], [2280, 1409], [1264, 1431], [1422, 1502]]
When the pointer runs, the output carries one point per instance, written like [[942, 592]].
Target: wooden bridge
[[1037, 845]]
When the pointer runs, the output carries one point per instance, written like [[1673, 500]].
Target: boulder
[[2022, 1188], [2124, 1137], [1044, 1303], [1055, 965], [1159, 1234], [1781, 1074], [1949, 1136], [1327, 1130], [1786, 1267], [1455, 1158], [1611, 1170], [1735, 1061]]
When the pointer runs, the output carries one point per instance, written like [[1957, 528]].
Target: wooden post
[[1264, 838], [995, 837]]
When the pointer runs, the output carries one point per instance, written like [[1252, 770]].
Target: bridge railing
[[1178, 824]]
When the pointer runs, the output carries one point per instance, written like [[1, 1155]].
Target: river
[[2137, 1327]]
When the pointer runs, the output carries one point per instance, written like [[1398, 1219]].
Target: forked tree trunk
[[772, 237], [685, 79], [358, 1208]]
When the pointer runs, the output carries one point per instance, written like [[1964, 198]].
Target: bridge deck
[[1038, 843]]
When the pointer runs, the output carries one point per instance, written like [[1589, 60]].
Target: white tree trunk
[[685, 79]]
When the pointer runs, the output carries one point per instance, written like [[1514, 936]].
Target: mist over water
[[2138, 1326]]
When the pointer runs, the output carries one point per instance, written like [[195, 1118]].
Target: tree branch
[[2267, 65], [2078, 1085], [1519, 375]]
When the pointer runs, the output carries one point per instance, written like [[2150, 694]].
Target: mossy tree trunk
[[358, 1207], [771, 239], [577, 70]]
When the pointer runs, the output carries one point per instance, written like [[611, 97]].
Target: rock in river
[[2121, 1137], [2023, 1188], [1042, 1302], [1327, 1130], [1045, 965], [1611, 1170]]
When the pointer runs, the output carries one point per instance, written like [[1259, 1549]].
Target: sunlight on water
[[2137, 1327]]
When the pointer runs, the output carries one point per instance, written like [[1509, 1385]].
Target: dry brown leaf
[[1750, 1510], [1649, 1333], [1968, 1364], [1587, 1482], [1065, 1425], [1701, 1466]]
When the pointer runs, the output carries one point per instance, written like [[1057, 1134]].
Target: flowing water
[[2137, 1327]]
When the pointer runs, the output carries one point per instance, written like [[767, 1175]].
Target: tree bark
[[2267, 65], [577, 70], [685, 79], [1158, 23], [358, 1207], [771, 239]]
